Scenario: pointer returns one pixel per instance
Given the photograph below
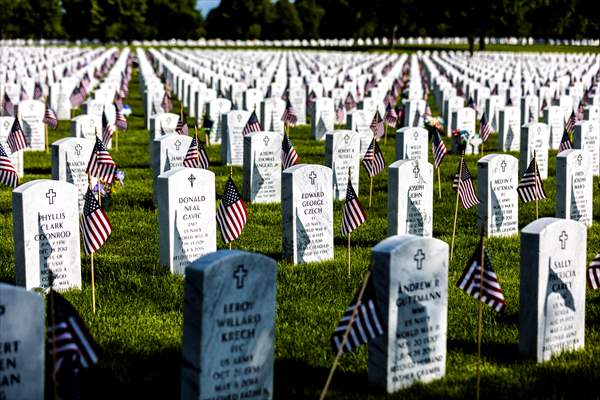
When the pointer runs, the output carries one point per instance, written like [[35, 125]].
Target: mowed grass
[[140, 304]]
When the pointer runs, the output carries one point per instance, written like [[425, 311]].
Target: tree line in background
[[282, 19]]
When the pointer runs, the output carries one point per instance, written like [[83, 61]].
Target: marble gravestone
[[307, 213], [463, 119], [574, 186], [169, 152], [323, 118], [509, 130], [215, 109], [262, 171], [30, 114], [587, 137], [342, 154], [186, 216], [412, 144], [70, 157], [360, 122], [452, 105], [410, 278], [46, 234], [229, 327], [534, 140], [87, 127], [272, 110], [554, 118], [23, 336], [163, 124], [493, 104], [552, 290], [497, 180], [297, 96], [16, 158], [410, 198], [232, 144]]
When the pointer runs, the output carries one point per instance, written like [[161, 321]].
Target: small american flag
[[349, 103], [8, 173], [353, 215], [390, 117], [166, 104], [485, 128], [377, 126], [471, 104], [120, 120], [252, 125], [16, 137], [23, 95], [289, 157], [50, 118], [570, 126], [438, 148], [373, 159], [565, 142], [289, 114], [77, 96], [531, 187], [108, 130], [232, 213], [8, 106], [465, 189], [362, 321], [196, 156], [95, 226], [340, 113], [101, 164], [593, 273], [471, 280], [70, 345], [38, 92], [182, 126]]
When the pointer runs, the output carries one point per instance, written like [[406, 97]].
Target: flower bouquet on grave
[[106, 190], [433, 124]]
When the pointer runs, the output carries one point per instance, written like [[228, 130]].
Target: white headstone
[[262, 167], [552, 288], [307, 213], [412, 144], [510, 128], [587, 137], [186, 216], [410, 198], [232, 145], [46, 234], [30, 114], [534, 140], [574, 186], [323, 117], [70, 157], [342, 154]]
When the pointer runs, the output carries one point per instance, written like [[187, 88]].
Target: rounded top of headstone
[[299, 167], [38, 183], [490, 157], [186, 171], [540, 225], [341, 132], [261, 133], [409, 163], [572, 153], [395, 243], [411, 129], [12, 291], [213, 260]]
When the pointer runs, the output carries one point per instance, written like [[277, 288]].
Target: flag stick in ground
[[116, 140], [92, 261], [439, 182], [480, 320], [462, 157], [46, 136], [384, 134], [537, 211], [230, 175], [349, 180], [345, 337], [52, 321]]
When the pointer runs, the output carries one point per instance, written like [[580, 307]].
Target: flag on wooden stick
[[232, 213]]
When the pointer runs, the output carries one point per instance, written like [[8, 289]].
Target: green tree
[[286, 22], [310, 14], [240, 19]]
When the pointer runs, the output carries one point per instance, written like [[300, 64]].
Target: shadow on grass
[[37, 171]]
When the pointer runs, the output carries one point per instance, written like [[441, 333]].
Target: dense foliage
[[283, 19]]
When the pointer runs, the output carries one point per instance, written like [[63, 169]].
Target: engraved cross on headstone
[[579, 159], [50, 196], [346, 138], [503, 165], [177, 144], [312, 176], [192, 178], [266, 140], [419, 257], [78, 148], [416, 171], [563, 239], [239, 275]]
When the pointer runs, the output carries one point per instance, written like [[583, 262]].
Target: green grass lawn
[[140, 304]]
